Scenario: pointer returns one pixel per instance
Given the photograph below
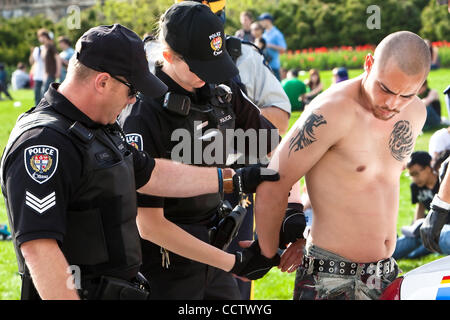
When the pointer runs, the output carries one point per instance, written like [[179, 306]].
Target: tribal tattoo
[[305, 135], [401, 141]]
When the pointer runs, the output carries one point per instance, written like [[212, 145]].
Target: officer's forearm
[[48, 268], [173, 179], [154, 227], [270, 206]]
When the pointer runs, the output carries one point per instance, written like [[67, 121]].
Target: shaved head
[[407, 50]]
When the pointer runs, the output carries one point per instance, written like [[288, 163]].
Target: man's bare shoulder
[[416, 112], [339, 102]]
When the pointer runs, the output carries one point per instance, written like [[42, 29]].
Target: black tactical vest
[[205, 123], [101, 237]]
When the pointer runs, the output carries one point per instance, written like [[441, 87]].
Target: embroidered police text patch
[[41, 162]]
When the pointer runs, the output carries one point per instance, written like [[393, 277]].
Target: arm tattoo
[[401, 141], [305, 135]]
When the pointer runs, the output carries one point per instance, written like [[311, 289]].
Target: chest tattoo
[[401, 141], [305, 134]]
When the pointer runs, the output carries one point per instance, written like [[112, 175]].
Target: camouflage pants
[[310, 285]]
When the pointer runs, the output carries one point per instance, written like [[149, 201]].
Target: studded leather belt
[[346, 268]]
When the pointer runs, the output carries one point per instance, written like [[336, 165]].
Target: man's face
[[119, 98], [245, 22], [264, 23], [420, 175], [63, 45], [389, 90]]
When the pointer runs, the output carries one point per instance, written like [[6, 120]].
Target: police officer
[[259, 83], [69, 179], [262, 87], [194, 61]]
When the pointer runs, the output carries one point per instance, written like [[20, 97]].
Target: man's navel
[[361, 168]]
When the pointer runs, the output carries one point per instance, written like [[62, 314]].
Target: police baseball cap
[[194, 31], [119, 51]]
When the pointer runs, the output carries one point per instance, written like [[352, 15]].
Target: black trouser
[[4, 89], [185, 279], [246, 232]]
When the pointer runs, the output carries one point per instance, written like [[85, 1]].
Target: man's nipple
[[361, 168]]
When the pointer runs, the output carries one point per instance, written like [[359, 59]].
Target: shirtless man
[[351, 145]]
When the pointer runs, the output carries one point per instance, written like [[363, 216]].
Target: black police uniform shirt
[[149, 127], [423, 194], [39, 202]]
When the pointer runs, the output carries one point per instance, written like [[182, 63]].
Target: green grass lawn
[[275, 285]]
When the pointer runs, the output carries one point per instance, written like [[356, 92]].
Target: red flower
[[321, 50]]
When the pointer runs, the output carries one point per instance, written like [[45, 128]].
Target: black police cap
[[120, 52], [194, 31]]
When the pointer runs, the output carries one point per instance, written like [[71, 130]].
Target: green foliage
[[305, 23], [435, 22], [18, 36]]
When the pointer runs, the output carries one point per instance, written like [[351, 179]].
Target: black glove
[[248, 178], [430, 230], [294, 223], [250, 263]]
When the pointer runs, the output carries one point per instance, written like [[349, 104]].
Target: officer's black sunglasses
[[132, 92]]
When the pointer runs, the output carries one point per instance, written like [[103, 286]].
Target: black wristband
[[220, 178], [295, 206]]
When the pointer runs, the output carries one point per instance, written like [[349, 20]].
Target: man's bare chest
[[380, 147]]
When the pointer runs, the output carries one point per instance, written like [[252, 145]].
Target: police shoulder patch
[[135, 140], [41, 162]]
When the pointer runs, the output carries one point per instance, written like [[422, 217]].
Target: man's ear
[[368, 62], [100, 82]]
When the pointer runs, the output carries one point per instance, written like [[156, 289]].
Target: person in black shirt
[[178, 259], [69, 178], [423, 188]]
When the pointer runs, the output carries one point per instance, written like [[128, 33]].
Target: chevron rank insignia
[[41, 162], [40, 205]]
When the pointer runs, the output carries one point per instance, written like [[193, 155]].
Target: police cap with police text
[[195, 32], [119, 51]]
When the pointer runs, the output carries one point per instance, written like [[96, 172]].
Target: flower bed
[[345, 56]]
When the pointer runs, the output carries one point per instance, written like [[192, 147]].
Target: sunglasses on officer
[[132, 92]]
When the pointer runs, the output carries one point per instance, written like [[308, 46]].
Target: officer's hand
[[430, 230], [251, 264], [293, 225], [248, 178], [291, 258]]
